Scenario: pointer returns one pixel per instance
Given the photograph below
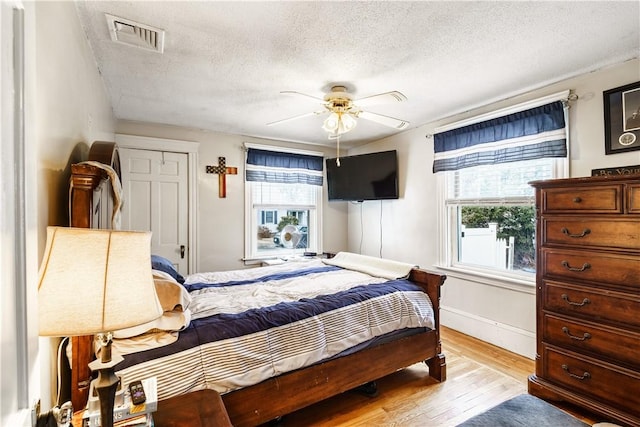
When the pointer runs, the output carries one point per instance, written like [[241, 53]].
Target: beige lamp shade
[[94, 281]]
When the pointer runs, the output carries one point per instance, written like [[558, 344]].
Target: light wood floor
[[479, 376]]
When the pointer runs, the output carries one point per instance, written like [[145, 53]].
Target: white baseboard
[[516, 340]]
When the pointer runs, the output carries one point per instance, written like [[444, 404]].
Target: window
[[284, 199], [269, 217], [488, 206], [490, 215]]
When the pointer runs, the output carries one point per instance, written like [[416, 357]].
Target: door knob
[[182, 249]]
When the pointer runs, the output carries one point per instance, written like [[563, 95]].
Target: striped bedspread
[[253, 324]]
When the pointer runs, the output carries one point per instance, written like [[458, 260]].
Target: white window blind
[[497, 183], [266, 194]]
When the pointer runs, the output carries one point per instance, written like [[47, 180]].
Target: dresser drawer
[[592, 303], [605, 233], [609, 383], [621, 270], [595, 199], [633, 198], [615, 344]]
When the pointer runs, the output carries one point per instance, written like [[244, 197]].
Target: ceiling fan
[[344, 111]]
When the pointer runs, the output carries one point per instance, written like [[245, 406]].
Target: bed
[[279, 366]]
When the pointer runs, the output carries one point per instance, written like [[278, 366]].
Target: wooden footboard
[[289, 392]]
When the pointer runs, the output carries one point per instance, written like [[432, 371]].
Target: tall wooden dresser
[[588, 295]]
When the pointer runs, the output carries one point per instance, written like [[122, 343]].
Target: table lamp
[[95, 282]]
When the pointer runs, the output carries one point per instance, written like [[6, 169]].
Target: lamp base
[[106, 384], [93, 404]]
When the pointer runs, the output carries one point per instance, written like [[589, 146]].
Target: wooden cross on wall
[[222, 170]]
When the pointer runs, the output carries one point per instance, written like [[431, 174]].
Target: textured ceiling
[[225, 63]]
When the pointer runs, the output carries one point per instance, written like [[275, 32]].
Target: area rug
[[524, 411]]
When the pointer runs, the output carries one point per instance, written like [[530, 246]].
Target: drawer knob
[[568, 233], [584, 337], [584, 267], [577, 199], [585, 376], [585, 301]]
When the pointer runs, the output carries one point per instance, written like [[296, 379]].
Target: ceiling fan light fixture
[[332, 123], [338, 124], [348, 122], [344, 111]]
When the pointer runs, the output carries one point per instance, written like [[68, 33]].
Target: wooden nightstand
[[202, 408]]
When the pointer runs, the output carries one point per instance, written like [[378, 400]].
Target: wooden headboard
[[90, 206]]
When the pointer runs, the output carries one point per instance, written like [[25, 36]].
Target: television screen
[[372, 176]]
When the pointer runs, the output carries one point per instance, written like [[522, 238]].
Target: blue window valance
[[530, 134], [284, 168]]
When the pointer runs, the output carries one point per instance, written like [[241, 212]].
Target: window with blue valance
[[283, 168], [535, 133]]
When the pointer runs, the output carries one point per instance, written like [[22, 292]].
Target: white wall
[[71, 104], [71, 110], [409, 228], [221, 220], [503, 316], [66, 108]]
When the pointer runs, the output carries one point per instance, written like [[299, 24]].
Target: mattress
[[253, 324]]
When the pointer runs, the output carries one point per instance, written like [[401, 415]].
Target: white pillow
[[174, 300]]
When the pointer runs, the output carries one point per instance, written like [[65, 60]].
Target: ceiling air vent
[[135, 34]]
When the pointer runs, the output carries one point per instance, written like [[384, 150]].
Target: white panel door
[[155, 199]]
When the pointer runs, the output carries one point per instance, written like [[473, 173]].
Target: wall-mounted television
[[372, 176]]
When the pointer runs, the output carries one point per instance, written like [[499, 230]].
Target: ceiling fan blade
[[293, 92], [277, 122], [384, 120], [381, 98]]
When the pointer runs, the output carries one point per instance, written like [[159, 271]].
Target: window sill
[[273, 255], [264, 261], [519, 284]]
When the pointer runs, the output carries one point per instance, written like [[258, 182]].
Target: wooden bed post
[[432, 283], [84, 212]]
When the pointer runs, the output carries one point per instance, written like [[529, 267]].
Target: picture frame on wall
[[622, 118]]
